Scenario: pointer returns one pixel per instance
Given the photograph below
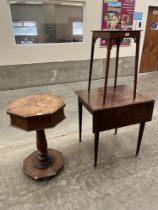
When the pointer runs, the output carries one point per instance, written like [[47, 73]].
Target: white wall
[[10, 53]]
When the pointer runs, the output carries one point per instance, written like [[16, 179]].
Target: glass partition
[[47, 21]]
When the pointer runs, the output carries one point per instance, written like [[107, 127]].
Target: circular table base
[[36, 173]]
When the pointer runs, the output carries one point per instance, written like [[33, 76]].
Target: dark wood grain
[[37, 122], [119, 110], [111, 37], [117, 106], [96, 144], [109, 46], [42, 160], [137, 41], [121, 96], [80, 120], [118, 42], [122, 116], [37, 173], [35, 105], [91, 63], [141, 131], [35, 113], [115, 34]]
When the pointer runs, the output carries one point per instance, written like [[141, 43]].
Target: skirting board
[[38, 74]]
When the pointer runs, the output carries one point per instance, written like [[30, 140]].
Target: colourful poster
[[117, 15]]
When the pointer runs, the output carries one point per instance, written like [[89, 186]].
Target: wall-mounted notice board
[[117, 15]]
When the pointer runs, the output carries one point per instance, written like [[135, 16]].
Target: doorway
[[149, 59]]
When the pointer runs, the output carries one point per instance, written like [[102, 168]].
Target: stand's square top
[[117, 34]]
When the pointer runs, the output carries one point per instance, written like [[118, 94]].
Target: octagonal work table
[[36, 113]]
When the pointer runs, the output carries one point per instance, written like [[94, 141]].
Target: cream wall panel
[[13, 54]]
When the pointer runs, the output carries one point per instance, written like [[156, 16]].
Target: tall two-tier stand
[[116, 106]]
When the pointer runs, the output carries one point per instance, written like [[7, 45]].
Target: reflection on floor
[[120, 180]]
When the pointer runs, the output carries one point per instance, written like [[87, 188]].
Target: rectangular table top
[[122, 96]]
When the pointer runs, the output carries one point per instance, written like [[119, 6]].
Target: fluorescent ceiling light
[[13, 2], [71, 4], [33, 2]]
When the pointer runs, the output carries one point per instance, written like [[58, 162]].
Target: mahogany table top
[[122, 96], [36, 105]]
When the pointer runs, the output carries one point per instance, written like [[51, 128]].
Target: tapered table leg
[[80, 120], [116, 129], [141, 131], [96, 142]]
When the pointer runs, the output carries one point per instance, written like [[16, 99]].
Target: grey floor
[[120, 181]]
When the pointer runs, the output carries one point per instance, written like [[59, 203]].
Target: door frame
[[153, 3]]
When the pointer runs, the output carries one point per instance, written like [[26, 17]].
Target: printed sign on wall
[[138, 16], [154, 26], [117, 15]]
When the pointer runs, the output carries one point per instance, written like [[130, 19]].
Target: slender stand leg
[[141, 131], [107, 68], [80, 120], [118, 42], [117, 59], [91, 63], [96, 142], [137, 40], [116, 129], [42, 160]]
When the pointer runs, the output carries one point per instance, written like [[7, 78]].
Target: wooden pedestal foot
[[37, 173], [44, 162]]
